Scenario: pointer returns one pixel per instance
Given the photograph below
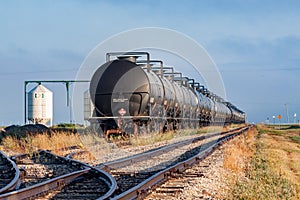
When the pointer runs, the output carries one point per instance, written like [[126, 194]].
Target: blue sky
[[255, 44]]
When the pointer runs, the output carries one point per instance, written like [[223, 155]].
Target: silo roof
[[40, 88]]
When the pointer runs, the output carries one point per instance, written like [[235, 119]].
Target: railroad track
[[93, 184], [127, 161], [199, 175], [42, 166], [45, 174], [9, 174], [135, 181]]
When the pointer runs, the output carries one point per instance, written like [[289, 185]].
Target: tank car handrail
[[199, 87], [178, 73], [192, 84], [185, 80], [153, 61], [196, 86], [154, 69], [206, 92], [108, 55], [172, 73]]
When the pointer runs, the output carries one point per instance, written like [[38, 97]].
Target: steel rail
[[106, 177], [116, 164], [43, 187], [142, 188], [61, 181], [15, 182], [111, 182]]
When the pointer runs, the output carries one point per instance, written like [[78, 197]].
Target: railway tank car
[[131, 91]]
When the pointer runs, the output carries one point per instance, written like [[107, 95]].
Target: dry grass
[[147, 139], [283, 152], [150, 139], [274, 169], [240, 151], [95, 144], [31, 143]]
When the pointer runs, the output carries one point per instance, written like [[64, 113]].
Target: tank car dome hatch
[[40, 105]]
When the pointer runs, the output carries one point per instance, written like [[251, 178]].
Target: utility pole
[[287, 112]]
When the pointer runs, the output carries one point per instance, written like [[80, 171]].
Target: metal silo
[[88, 106], [40, 105]]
